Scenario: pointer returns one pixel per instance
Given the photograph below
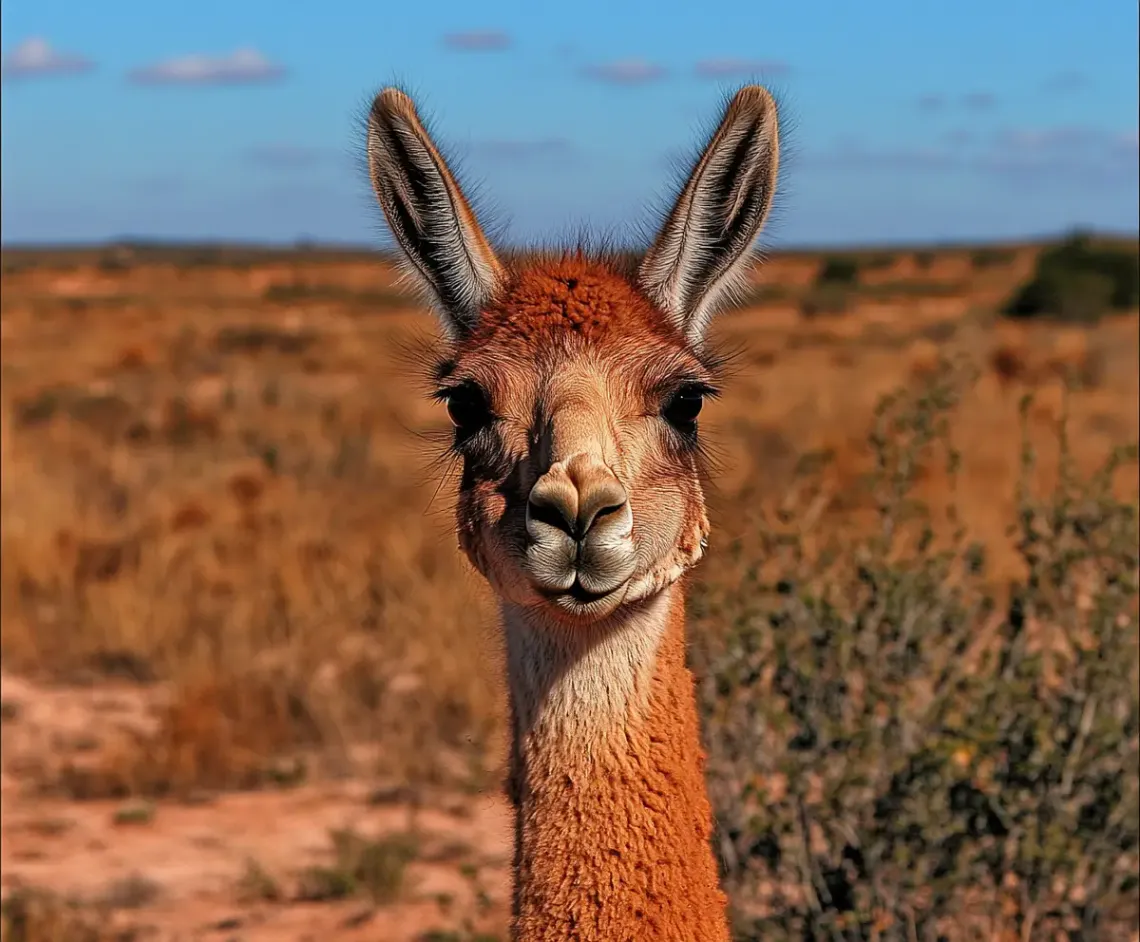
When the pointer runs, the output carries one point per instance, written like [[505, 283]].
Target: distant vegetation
[[878, 261], [1079, 280], [837, 278], [991, 258], [838, 270]]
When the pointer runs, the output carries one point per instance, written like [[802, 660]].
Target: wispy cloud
[[478, 40], [518, 151], [979, 101], [240, 67], [1062, 83], [1075, 154], [544, 147], [285, 156], [974, 101], [35, 57], [158, 185], [632, 71], [729, 67], [1074, 151], [852, 155]]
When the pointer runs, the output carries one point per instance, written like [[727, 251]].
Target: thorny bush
[[897, 750]]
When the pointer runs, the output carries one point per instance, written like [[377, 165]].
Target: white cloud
[[479, 40], [242, 66], [729, 67], [35, 57], [515, 151], [625, 71], [1065, 82], [1074, 154], [285, 156]]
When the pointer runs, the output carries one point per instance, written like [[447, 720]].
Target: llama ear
[[428, 214], [702, 251]]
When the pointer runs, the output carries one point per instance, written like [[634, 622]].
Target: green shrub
[[1079, 281], [372, 868], [990, 258], [895, 751], [826, 299], [880, 261], [838, 270]]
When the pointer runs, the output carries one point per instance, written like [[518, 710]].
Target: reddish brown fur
[[574, 388], [613, 839], [570, 295]]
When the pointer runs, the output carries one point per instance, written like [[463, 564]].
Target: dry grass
[[209, 484], [35, 915]]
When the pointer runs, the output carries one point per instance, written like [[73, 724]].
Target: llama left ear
[[702, 251], [428, 214]]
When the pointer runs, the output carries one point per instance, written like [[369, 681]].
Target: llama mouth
[[581, 594], [578, 597]]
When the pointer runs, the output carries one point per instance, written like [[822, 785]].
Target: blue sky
[[907, 120]]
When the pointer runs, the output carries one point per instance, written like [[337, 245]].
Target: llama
[[574, 385]]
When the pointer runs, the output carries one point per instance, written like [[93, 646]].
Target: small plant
[[131, 892], [467, 934], [35, 915], [361, 866], [50, 827], [134, 813], [320, 884], [257, 884]]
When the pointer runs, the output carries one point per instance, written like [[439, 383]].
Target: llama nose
[[576, 496]]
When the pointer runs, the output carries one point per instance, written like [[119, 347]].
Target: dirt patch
[[237, 865]]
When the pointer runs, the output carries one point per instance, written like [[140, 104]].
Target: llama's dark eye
[[468, 407], [683, 407]]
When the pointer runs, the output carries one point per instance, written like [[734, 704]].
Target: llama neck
[[612, 819]]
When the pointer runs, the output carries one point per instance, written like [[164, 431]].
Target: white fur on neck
[[580, 688]]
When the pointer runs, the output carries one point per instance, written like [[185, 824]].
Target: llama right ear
[[428, 214], [702, 252]]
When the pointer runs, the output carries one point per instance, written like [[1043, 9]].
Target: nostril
[[551, 515], [601, 514]]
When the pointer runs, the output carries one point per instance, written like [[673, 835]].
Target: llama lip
[[578, 598], [580, 593]]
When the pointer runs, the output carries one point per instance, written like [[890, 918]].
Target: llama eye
[[682, 409], [468, 408]]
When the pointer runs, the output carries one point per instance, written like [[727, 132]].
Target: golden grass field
[[251, 690]]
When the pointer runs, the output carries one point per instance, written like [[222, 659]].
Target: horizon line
[[304, 244]]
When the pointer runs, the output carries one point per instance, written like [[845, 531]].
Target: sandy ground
[[208, 867]]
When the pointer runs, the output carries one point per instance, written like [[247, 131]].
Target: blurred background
[[250, 689]]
